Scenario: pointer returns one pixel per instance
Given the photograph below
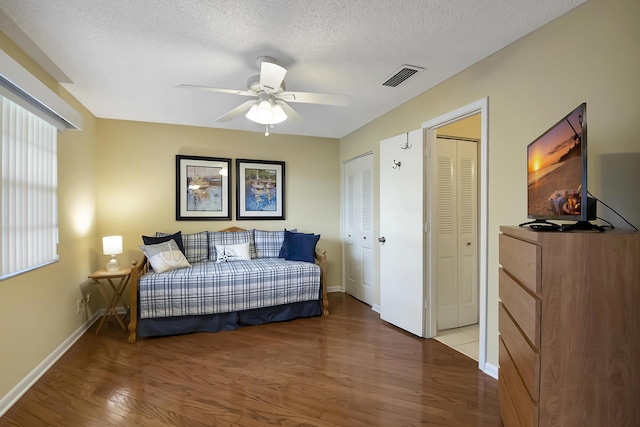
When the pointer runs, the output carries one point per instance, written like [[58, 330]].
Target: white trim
[[22, 87], [21, 388], [335, 289], [491, 370], [376, 308], [481, 106]]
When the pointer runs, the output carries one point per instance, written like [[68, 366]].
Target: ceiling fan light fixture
[[266, 112], [270, 103], [279, 115]]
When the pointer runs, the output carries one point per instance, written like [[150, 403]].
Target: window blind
[[28, 194]]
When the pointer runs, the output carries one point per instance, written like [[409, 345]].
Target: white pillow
[[165, 256], [235, 252]]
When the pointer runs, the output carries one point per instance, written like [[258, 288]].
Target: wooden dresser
[[569, 322]]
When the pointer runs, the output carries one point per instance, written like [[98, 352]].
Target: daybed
[[210, 295]]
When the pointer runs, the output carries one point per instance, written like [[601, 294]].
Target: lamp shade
[[112, 245], [266, 112]]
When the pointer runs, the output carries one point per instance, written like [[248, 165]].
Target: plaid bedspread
[[210, 287]]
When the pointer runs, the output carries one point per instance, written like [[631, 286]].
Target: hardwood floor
[[348, 369]]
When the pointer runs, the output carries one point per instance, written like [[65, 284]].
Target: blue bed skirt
[[164, 326]]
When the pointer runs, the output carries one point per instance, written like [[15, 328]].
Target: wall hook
[[406, 145], [396, 165]]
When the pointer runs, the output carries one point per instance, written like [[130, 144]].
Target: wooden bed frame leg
[[321, 258], [133, 299], [325, 302]]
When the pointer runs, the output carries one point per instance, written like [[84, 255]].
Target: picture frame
[[203, 188], [260, 189]]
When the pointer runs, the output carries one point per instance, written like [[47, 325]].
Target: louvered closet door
[[358, 228], [456, 233]]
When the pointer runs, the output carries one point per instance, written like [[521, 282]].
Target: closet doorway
[[455, 230], [432, 129]]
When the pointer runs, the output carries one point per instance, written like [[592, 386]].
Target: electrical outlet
[[79, 305]]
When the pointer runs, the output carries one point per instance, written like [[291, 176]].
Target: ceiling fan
[[269, 105]]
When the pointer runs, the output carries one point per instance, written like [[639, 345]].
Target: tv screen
[[557, 171]]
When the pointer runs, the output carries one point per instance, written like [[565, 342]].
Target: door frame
[[429, 127]]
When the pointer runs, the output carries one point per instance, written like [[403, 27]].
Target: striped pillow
[[268, 243], [196, 248]]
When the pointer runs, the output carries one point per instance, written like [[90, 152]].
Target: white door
[[358, 227], [455, 229], [401, 231]]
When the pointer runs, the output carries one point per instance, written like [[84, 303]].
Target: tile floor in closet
[[464, 339]]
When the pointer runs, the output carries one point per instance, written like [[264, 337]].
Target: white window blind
[[28, 195]]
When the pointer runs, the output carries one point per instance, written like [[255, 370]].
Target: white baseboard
[[21, 388], [334, 289], [376, 308], [491, 370]]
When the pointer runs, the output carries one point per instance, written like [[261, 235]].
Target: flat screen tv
[[557, 174]]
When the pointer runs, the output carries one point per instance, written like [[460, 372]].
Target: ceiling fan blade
[[271, 76], [316, 98], [240, 109], [290, 112], [217, 89]]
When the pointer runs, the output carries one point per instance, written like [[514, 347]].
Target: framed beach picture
[[259, 189], [203, 188]]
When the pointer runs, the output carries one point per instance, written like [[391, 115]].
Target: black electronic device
[[545, 227]]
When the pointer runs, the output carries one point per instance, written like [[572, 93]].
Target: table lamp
[[112, 245]]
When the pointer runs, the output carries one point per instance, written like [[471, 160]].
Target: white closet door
[[401, 228], [446, 233], [358, 228], [467, 233], [456, 233]]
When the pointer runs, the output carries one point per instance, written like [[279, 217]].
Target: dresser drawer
[[522, 260], [515, 402], [508, 410], [525, 358], [523, 307]]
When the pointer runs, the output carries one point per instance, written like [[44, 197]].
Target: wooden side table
[[104, 279]]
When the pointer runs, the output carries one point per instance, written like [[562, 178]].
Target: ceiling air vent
[[402, 74]]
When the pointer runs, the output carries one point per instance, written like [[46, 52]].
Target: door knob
[[382, 240]]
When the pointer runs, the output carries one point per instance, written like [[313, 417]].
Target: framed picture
[[259, 189], [203, 188]]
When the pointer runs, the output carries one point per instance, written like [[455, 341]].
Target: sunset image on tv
[[555, 169]]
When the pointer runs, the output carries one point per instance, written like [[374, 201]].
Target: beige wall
[[118, 177], [469, 127], [589, 54], [38, 309], [123, 181], [136, 181]]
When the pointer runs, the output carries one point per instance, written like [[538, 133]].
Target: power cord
[[613, 210], [607, 226]]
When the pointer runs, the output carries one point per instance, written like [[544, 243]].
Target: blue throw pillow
[[177, 237], [299, 246]]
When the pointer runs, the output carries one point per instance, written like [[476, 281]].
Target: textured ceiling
[[123, 58]]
